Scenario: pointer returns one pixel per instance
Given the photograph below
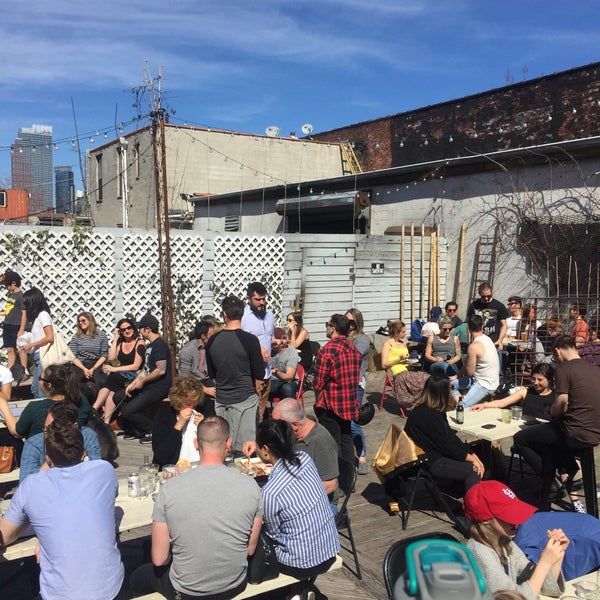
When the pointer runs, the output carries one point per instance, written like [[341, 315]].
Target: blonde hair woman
[[408, 384]]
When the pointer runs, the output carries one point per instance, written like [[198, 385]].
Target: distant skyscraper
[[31, 166], [65, 189]]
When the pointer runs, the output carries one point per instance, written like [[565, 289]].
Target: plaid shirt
[[337, 375]]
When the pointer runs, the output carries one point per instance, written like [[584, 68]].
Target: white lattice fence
[[242, 260], [75, 269], [141, 279]]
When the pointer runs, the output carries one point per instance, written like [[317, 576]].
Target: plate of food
[[254, 467]]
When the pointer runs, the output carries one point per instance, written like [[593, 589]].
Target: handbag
[[57, 352], [263, 565], [7, 459], [366, 412]]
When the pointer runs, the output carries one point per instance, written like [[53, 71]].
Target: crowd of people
[[237, 394], [228, 372]]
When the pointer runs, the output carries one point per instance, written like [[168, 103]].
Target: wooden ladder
[[350, 164], [484, 266]]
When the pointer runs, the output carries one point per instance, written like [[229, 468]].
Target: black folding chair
[[346, 481], [410, 472]]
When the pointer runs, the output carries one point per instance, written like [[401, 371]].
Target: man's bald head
[[289, 410]]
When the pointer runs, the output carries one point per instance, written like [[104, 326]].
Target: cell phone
[[488, 426]]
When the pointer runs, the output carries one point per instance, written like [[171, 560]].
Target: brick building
[[553, 108]]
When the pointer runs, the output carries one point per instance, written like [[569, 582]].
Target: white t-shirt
[[5, 375], [512, 326], [37, 329]]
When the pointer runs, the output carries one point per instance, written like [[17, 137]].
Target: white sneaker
[[578, 506], [310, 595]]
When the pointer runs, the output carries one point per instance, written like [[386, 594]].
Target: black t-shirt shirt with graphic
[[492, 313]]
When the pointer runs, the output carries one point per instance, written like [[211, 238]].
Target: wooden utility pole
[[162, 215]]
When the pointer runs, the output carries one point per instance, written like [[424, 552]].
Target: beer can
[[133, 485]]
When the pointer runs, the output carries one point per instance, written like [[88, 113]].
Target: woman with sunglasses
[[299, 339], [125, 359], [442, 351], [90, 347]]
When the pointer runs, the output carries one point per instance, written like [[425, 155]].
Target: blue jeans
[[358, 435], [475, 394], [36, 392], [282, 389], [442, 369]]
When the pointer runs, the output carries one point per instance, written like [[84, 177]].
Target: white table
[[129, 514], [570, 585], [474, 426], [475, 419]]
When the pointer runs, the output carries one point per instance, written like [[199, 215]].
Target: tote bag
[[56, 353]]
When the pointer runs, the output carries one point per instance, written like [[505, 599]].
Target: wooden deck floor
[[375, 528]]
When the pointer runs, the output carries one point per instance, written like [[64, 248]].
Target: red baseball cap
[[493, 499]]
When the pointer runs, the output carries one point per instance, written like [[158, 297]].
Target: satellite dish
[[272, 131], [307, 129]]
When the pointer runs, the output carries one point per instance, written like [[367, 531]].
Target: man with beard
[[259, 320]]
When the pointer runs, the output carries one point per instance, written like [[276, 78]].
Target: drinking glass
[[506, 415], [517, 413], [169, 471]]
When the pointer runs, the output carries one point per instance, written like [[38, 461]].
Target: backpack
[[415, 330]]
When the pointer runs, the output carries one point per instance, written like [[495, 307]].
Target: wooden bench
[[12, 476], [251, 590]]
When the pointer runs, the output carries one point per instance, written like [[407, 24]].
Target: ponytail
[[63, 380], [278, 436]]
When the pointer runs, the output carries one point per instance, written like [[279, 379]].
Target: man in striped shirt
[[336, 379]]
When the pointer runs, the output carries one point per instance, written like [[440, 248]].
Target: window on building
[[2, 199], [99, 182], [232, 223], [119, 172], [136, 160]]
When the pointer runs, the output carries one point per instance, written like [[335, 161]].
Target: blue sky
[[244, 65]]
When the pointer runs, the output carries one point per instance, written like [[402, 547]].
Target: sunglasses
[[124, 329], [446, 329], [485, 296], [291, 320], [451, 310], [328, 325]]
